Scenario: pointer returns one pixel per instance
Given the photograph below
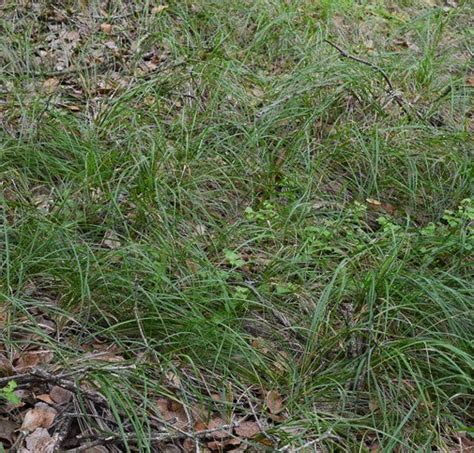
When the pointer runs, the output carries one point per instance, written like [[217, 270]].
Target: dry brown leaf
[[41, 416], [173, 379], [111, 45], [6, 368], [170, 449], [45, 398], [216, 397], [172, 412], [159, 9], [259, 344], [199, 413], [373, 405], [111, 240], [72, 36], [274, 402], [216, 423], [216, 445], [200, 426], [470, 81], [59, 395], [223, 444], [369, 44], [189, 445], [106, 28], [373, 202], [39, 441], [73, 108], [30, 359], [7, 429], [50, 85], [247, 429]]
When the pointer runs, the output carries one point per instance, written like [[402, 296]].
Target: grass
[[255, 215]]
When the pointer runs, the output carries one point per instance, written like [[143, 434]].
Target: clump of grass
[[216, 219]]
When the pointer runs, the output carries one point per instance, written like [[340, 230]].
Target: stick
[[392, 92], [38, 374], [164, 437]]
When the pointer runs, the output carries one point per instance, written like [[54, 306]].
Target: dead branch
[[38, 374], [162, 437], [391, 90]]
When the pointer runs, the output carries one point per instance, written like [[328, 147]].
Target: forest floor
[[236, 226]]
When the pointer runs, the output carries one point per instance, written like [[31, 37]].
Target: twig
[[391, 90], [23, 378], [262, 428], [164, 437], [38, 374], [64, 426]]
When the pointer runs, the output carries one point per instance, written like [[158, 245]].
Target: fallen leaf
[[59, 395], [73, 108], [369, 44], [216, 445], [111, 240], [6, 368], [170, 449], [373, 202], [31, 359], [279, 418], [373, 405], [7, 428], [172, 412], [259, 344], [200, 426], [41, 416], [51, 84], [200, 229], [199, 413], [159, 9], [470, 81], [45, 398], [106, 28], [72, 36], [173, 379], [39, 441], [223, 444], [274, 402], [216, 423], [189, 445], [111, 45], [247, 429]]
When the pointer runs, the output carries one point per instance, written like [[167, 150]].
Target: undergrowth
[[257, 214]]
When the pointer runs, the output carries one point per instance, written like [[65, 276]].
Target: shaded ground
[[220, 232]]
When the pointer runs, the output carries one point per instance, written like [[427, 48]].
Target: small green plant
[[265, 213], [464, 213], [388, 225], [283, 289], [241, 293], [7, 393], [233, 258]]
